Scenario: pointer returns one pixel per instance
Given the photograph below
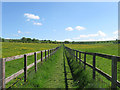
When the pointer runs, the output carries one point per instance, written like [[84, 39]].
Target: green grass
[[81, 78], [52, 71], [59, 71], [111, 49], [101, 63], [49, 75], [13, 49]]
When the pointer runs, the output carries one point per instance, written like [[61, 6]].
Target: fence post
[[51, 52], [76, 55], [35, 56], [84, 61], [2, 73], [48, 53], [45, 55], [94, 55], [25, 67], [114, 72], [79, 57], [41, 57]]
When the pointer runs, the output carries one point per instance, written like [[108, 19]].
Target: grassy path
[[51, 74], [57, 79]]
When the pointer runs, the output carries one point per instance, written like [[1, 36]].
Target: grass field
[[50, 74], [56, 73], [111, 49], [13, 49], [101, 63]]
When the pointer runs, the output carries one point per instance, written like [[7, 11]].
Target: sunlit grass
[[13, 49], [101, 63]]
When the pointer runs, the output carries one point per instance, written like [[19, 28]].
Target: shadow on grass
[[81, 77]]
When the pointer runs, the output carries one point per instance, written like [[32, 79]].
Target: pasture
[[101, 63], [13, 49]]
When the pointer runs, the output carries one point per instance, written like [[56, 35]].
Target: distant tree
[[23, 39], [3, 40], [66, 42], [29, 40]]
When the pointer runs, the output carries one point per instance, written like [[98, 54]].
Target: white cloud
[[19, 31], [79, 28], [116, 32], [100, 39], [69, 29], [39, 24], [98, 34], [102, 34], [31, 16], [7, 38], [68, 39]]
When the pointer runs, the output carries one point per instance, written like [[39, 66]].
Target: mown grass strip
[[49, 75]]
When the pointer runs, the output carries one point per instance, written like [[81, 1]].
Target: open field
[[49, 75], [56, 69], [56, 73], [101, 63], [111, 49], [13, 49]]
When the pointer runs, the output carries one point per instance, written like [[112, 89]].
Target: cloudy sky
[[80, 21]]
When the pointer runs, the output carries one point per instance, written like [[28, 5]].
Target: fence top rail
[[21, 56], [100, 55]]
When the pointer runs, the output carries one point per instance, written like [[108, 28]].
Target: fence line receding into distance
[[4, 80], [114, 59]]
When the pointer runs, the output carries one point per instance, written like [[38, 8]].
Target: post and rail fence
[[115, 59], [4, 80]]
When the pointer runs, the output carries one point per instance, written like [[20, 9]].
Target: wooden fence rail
[[4, 80], [114, 59]]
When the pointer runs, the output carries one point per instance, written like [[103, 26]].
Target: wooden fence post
[[84, 61], [79, 57], [51, 52], [41, 57], [76, 55], [35, 56], [114, 72], [48, 53], [2, 73], [25, 68], [94, 65], [45, 55]]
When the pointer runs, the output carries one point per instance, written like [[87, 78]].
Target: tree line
[[29, 40]]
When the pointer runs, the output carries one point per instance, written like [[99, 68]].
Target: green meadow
[[56, 71], [59, 71], [13, 49], [101, 63]]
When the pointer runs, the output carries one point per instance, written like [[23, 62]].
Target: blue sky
[[79, 21]]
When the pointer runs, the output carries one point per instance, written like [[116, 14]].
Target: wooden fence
[[4, 80], [114, 59]]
